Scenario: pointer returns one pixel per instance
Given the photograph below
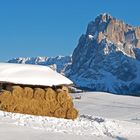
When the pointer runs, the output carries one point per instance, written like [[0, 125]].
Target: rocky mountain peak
[[105, 27], [99, 24], [105, 17], [107, 56]]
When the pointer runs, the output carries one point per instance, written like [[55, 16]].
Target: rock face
[[107, 57], [59, 63]]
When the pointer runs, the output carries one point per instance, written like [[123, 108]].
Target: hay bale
[[5, 97], [44, 112], [60, 113], [17, 91], [33, 107], [54, 105], [25, 106], [43, 107], [62, 89], [62, 97], [8, 102], [37, 107], [18, 104], [67, 104], [50, 94], [46, 108], [3, 107], [50, 114], [59, 90], [28, 92], [12, 103], [5, 92], [19, 108], [39, 93], [45, 103], [72, 113], [65, 88]]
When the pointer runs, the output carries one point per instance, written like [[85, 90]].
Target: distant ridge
[[59, 63]]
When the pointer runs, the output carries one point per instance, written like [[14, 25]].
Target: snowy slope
[[31, 75], [102, 117]]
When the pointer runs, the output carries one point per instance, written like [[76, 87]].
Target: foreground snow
[[119, 119], [124, 108]]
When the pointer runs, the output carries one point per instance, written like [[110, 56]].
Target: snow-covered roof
[[31, 75]]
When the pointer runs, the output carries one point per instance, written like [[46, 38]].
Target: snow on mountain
[[59, 63], [107, 57]]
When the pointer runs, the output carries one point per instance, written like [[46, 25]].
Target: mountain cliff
[[107, 57]]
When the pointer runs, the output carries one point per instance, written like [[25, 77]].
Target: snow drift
[[31, 75]]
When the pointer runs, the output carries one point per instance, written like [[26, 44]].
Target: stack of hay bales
[[39, 101]]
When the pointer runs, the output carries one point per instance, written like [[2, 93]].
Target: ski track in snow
[[84, 125]]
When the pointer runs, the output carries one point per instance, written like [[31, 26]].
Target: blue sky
[[53, 27]]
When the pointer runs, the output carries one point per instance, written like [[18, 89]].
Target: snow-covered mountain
[[59, 63], [107, 57]]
